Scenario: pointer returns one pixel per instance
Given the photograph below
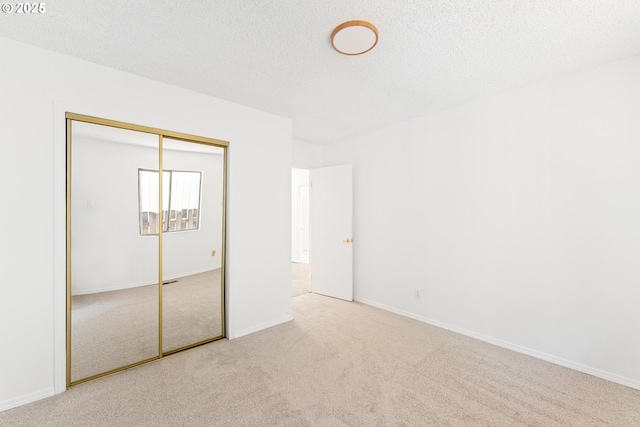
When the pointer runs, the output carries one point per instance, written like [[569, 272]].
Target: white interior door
[[330, 232]]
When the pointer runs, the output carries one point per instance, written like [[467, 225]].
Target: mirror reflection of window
[[184, 201], [181, 200]]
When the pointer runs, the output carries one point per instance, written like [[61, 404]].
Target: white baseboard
[[27, 398], [508, 345], [261, 326]]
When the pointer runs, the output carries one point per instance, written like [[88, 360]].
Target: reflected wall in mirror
[[192, 243], [114, 273], [145, 244]]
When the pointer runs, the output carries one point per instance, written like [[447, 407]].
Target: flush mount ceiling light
[[354, 37]]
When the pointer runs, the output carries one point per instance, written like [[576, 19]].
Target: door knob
[[347, 241]]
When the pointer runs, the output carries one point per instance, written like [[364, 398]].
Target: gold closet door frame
[[161, 133]]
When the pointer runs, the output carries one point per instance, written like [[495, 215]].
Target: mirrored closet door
[[145, 244], [192, 243]]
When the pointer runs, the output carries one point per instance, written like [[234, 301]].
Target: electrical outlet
[[417, 293], [213, 253]]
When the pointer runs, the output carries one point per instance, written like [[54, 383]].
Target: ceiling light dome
[[354, 37]]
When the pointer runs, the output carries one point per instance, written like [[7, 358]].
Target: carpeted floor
[[301, 278], [341, 364], [118, 328]]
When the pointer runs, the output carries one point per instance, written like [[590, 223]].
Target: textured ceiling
[[276, 55]]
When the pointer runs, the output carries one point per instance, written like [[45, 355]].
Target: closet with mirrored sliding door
[[145, 244]]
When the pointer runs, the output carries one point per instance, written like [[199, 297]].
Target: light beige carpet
[[341, 364], [301, 278], [118, 328]]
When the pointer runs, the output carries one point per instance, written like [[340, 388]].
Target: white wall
[[517, 216], [37, 87], [108, 251], [306, 155]]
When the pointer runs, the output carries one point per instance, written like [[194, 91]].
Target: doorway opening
[[300, 270]]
